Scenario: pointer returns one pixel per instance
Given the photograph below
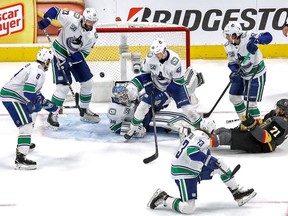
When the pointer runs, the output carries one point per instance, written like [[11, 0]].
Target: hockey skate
[[157, 199], [52, 121], [243, 196], [88, 116], [22, 163]]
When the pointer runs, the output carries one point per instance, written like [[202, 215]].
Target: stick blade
[[151, 158]]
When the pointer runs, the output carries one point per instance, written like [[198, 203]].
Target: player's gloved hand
[[160, 99], [251, 45], [65, 65], [149, 88], [235, 77], [49, 106], [249, 122], [44, 23], [36, 106], [211, 162]]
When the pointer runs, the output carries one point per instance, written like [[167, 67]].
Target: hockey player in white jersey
[[239, 44], [163, 77], [193, 163], [22, 98], [73, 44], [127, 95]]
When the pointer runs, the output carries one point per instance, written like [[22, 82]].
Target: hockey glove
[[44, 23], [211, 162], [65, 65], [49, 106], [36, 106], [160, 99], [235, 77], [251, 45], [249, 122]]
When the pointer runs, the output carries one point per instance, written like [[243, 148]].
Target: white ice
[[83, 169]]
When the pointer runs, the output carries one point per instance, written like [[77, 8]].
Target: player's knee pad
[[26, 129], [86, 87], [235, 99], [187, 207], [61, 91]]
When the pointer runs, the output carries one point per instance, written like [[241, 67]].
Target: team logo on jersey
[[178, 70], [74, 43], [153, 67], [73, 27]]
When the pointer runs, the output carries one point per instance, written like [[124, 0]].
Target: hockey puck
[[102, 74]]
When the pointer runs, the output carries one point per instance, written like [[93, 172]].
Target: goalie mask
[[120, 95], [89, 18], [208, 125], [45, 56]]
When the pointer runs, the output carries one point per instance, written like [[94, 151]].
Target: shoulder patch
[[174, 60]]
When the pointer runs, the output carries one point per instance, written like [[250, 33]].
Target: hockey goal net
[[122, 46]]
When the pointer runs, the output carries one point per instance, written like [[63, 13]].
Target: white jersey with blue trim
[[182, 165], [31, 75], [162, 74], [236, 53], [73, 37]]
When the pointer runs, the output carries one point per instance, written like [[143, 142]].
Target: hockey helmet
[[45, 56], [208, 125], [90, 14], [233, 28], [282, 104], [158, 46]]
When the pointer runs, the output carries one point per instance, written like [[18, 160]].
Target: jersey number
[[274, 131]]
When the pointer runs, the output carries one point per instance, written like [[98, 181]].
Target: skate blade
[[90, 120], [25, 167], [153, 197], [246, 199], [51, 127]]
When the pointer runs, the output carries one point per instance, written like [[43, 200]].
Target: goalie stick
[[206, 115], [74, 95], [156, 154]]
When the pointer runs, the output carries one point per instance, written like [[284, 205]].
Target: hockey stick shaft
[[206, 115], [64, 73], [156, 154], [235, 170]]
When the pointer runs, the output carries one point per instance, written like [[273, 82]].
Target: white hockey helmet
[[208, 125], [231, 28], [90, 14], [44, 55], [158, 46]]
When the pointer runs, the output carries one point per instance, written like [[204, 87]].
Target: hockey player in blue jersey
[[163, 77], [193, 163], [73, 44], [239, 44]]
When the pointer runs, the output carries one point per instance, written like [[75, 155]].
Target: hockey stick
[[74, 95], [248, 91], [235, 170], [206, 115], [156, 154]]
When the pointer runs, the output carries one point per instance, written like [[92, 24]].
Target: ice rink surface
[[83, 169]]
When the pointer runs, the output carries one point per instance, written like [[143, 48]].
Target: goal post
[[122, 46]]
